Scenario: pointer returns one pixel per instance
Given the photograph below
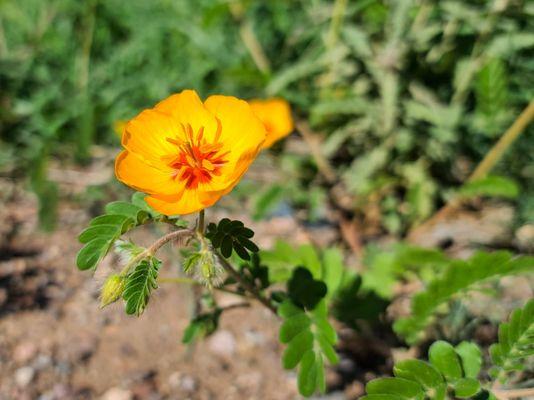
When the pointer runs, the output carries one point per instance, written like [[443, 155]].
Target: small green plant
[[455, 371]]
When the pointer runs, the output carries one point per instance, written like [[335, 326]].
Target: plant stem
[[498, 150], [200, 222], [243, 282], [156, 246], [189, 281]]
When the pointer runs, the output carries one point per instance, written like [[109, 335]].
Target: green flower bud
[[111, 290]]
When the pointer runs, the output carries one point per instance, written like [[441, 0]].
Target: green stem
[[252, 290], [200, 222]]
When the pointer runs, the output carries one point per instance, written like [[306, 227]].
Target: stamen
[[196, 160]]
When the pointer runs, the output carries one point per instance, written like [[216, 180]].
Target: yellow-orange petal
[[187, 108], [147, 136], [275, 114], [136, 173], [188, 202], [241, 129]]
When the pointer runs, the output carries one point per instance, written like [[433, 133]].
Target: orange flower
[[187, 154], [276, 116]]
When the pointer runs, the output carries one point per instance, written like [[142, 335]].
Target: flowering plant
[[181, 157]]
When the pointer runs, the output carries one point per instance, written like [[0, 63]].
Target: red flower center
[[197, 161]]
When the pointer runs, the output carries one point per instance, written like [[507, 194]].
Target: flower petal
[[188, 202], [275, 114], [136, 173], [146, 135], [241, 129], [187, 108]]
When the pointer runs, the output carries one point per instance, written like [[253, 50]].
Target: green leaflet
[[229, 236], [139, 285], [516, 341], [310, 339], [458, 276], [104, 230], [447, 371]]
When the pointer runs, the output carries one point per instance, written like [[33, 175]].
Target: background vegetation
[[395, 103]]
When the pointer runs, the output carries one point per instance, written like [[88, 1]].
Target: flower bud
[[111, 290]]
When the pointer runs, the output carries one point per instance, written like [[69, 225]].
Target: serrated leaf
[[91, 254], [466, 387], [458, 276], [444, 358], [139, 286], [397, 386], [381, 397], [471, 358], [516, 340]]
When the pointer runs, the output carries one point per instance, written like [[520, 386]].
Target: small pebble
[[222, 343], [23, 376], [117, 393]]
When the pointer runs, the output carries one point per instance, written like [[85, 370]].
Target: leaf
[[307, 376], [397, 386], [292, 326], [304, 290], [296, 349], [127, 209], [117, 220], [201, 326], [471, 357], [466, 387], [457, 277], [140, 284], [267, 200], [516, 340], [333, 270], [229, 236], [419, 371], [443, 357], [493, 186], [91, 254], [310, 338], [99, 231]]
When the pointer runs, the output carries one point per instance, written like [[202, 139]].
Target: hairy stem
[[149, 252], [253, 291]]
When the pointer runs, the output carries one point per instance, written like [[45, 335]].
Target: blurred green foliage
[[409, 94]]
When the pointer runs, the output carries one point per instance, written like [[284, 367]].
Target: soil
[[56, 343]]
